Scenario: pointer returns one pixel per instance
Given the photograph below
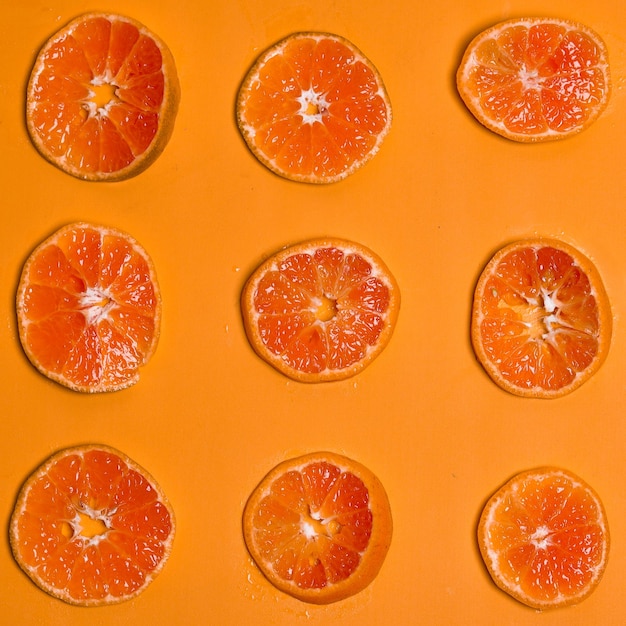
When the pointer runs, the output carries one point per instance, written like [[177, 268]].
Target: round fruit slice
[[89, 308], [102, 98], [91, 527], [319, 527], [313, 108], [321, 310], [535, 79], [541, 320], [544, 538]]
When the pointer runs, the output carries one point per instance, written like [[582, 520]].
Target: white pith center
[[530, 78], [314, 525], [325, 308], [541, 315], [547, 313], [313, 106], [89, 526], [541, 538], [102, 96], [96, 304]]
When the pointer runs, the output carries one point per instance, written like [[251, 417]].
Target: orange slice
[[535, 79], [321, 310], [313, 108], [102, 98], [89, 308], [91, 527], [319, 527], [541, 320], [544, 538]]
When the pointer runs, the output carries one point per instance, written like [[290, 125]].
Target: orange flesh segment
[[321, 311], [90, 308], [68, 120], [541, 322], [90, 565], [314, 524]]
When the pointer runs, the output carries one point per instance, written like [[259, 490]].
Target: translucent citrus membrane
[[316, 108], [322, 310], [541, 77], [90, 309], [546, 538], [540, 323], [313, 525], [92, 528], [97, 100]]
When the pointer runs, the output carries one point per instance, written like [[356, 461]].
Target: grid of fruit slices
[[549, 303]]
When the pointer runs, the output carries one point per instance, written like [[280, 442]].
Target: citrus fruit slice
[[535, 79], [541, 320], [89, 308], [102, 98], [319, 527], [320, 310], [91, 527], [544, 538], [313, 108]]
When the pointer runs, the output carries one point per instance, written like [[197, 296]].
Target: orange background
[[208, 418]]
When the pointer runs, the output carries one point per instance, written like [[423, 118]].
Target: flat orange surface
[[208, 418]]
